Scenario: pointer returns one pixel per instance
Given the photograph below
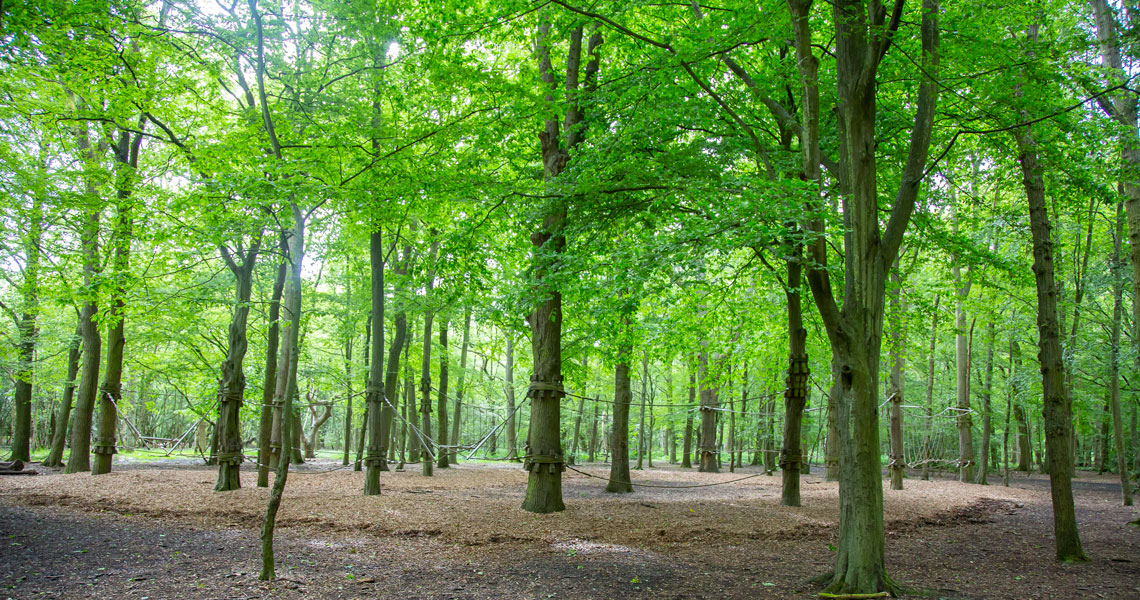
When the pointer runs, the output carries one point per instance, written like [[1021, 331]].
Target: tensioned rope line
[[670, 487]]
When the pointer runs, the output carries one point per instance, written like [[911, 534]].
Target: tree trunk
[[687, 440], [80, 457], [623, 395], [1123, 108], [59, 438], [731, 442], [460, 388], [383, 403], [928, 438], [593, 436], [962, 380], [896, 388], [578, 413], [987, 427], [1057, 412], [350, 333], [545, 462], [641, 417], [855, 330], [111, 393], [510, 435], [708, 449], [28, 335], [287, 372], [425, 436], [314, 439], [231, 387], [268, 404], [831, 459], [1114, 362], [361, 433], [441, 406]]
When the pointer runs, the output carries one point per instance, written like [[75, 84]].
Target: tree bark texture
[[1057, 412], [272, 343], [231, 387], [708, 409], [623, 395]]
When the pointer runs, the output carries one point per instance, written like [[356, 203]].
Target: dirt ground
[[149, 531]]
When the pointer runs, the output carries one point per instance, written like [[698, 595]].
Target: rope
[[668, 487]]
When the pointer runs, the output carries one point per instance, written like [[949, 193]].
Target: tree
[[863, 37]]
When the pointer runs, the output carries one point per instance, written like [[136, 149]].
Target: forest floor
[[147, 531]]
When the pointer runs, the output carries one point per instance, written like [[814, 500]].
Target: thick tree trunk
[[708, 442], [80, 457], [231, 387], [268, 406], [545, 462], [59, 438], [855, 330], [1057, 412], [623, 395], [1123, 107], [111, 393]]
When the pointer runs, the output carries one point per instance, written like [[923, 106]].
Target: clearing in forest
[[149, 531]]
